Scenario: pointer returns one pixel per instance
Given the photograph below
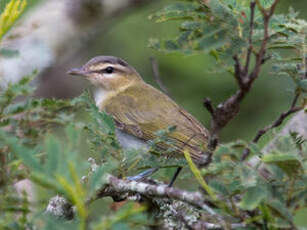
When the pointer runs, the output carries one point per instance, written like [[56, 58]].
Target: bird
[[140, 110]]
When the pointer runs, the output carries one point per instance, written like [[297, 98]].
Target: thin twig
[[250, 39], [209, 106], [156, 73], [293, 109], [272, 8], [278, 121], [238, 71]]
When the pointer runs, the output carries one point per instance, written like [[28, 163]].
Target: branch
[[208, 105], [276, 123], [227, 110], [59, 207], [250, 39], [158, 196], [293, 109], [160, 191], [174, 214], [171, 203], [156, 73]]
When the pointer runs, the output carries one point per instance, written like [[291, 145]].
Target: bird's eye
[[109, 70]]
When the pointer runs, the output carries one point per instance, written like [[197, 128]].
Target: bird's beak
[[77, 71]]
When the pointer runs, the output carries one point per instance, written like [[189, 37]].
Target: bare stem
[[156, 73], [293, 109], [250, 39]]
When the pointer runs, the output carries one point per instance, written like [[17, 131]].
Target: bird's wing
[[144, 117]]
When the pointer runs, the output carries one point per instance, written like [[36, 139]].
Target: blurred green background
[[188, 78]]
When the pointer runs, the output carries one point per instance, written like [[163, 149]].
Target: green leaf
[[53, 150], [25, 154], [103, 120], [73, 135], [214, 39], [198, 175], [21, 88], [289, 163], [266, 3], [223, 12], [190, 25], [303, 85], [253, 197], [8, 53], [219, 187], [46, 182], [108, 122], [299, 218], [179, 10], [279, 207], [98, 177], [247, 175]]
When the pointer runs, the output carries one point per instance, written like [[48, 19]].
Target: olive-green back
[[142, 110]]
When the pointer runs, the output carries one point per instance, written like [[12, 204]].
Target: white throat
[[100, 95]]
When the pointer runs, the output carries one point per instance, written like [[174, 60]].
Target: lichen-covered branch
[[195, 199], [59, 207], [156, 74], [176, 208]]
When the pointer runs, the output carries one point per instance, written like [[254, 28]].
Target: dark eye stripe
[[107, 70]]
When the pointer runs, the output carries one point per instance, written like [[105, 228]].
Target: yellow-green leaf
[[198, 175]]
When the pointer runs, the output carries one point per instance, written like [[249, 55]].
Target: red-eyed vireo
[[140, 110]]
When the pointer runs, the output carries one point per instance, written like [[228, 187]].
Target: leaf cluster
[[272, 200], [222, 28], [42, 140]]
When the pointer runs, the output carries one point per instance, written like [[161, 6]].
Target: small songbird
[[140, 110]]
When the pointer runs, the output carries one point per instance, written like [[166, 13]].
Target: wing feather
[[143, 118]]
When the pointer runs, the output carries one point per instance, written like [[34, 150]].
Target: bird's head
[[107, 72]]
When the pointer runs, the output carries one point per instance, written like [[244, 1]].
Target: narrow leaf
[[198, 175]]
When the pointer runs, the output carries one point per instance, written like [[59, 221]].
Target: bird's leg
[[175, 176], [143, 175]]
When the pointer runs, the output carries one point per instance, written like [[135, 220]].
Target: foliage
[[31, 148], [48, 141], [10, 14], [28, 137], [221, 28]]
